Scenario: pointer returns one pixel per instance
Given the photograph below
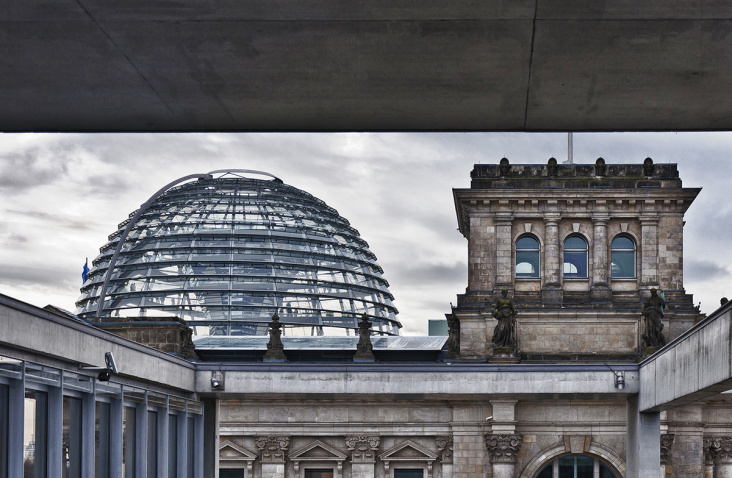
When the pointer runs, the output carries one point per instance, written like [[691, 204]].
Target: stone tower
[[578, 247]]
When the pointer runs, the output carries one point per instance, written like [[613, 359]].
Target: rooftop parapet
[[574, 176]]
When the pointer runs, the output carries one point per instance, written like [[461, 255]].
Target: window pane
[[527, 243], [172, 446], [575, 264], [35, 434], [4, 404], [576, 467], [152, 444], [527, 264], [101, 430], [231, 473], [190, 453], [408, 473], [546, 472], [71, 454], [318, 473], [605, 472], [575, 242], [623, 264], [129, 443], [622, 242]]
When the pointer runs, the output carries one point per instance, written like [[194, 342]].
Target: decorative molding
[[722, 449], [233, 455], [363, 448], [444, 446], [416, 454], [503, 448], [707, 448], [331, 455], [667, 440], [272, 448]]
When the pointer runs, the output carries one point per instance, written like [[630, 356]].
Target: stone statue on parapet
[[504, 335], [364, 348], [653, 313], [275, 349], [453, 340]]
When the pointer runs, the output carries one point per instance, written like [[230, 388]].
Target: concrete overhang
[[417, 381], [694, 366], [506, 65]]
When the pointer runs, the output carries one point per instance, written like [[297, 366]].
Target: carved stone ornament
[[707, 448], [275, 349], [667, 440], [364, 348], [363, 448], [453, 340], [504, 167], [722, 450], [444, 446], [272, 449], [600, 168], [648, 167], [552, 167], [503, 448]]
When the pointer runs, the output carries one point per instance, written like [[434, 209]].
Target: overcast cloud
[[61, 195]]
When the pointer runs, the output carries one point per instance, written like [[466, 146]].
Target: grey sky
[[62, 194]]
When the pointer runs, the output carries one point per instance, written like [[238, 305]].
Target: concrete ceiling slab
[[94, 65]]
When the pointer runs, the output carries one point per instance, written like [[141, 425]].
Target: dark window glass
[[408, 473], [152, 443], [546, 472], [4, 404], [190, 452], [231, 473], [129, 454], [172, 446], [101, 448], [622, 258], [576, 467], [575, 258], [605, 471], [319, 473], [527, 257], [71, 453]]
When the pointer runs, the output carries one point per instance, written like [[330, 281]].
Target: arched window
[[575, 466], [527, 257], [622, 258], [575, 258]]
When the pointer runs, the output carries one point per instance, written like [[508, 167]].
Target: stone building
[[567, 374]]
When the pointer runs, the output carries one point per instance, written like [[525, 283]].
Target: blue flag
[[85, 271]]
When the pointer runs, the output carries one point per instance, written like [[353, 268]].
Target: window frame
[[597, 462], [586, 252]]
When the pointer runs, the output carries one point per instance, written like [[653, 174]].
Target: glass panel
[[623, 242], [575, 242], [327, 473], [129, 443], [4, 411], [172, 446], [528, 243], [190, 452], [605, 472], [408, 473], [547, 472], [101, 431], [622, 264], [575, 264], [152, 443], [527, 264], [576, 467], [238, 473], [71, 453], [35, 434]]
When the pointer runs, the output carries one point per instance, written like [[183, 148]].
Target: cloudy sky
[[62, 194]]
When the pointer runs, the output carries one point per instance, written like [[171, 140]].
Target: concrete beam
[[694, 366], [521, 65], [410, 381], [36, 334]]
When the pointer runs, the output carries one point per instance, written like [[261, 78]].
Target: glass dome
[[224, 251]]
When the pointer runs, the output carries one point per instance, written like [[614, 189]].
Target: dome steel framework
[[224, 252]]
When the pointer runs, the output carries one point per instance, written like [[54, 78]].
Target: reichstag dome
[[225, 251]]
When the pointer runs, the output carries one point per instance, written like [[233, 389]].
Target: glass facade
[[225, 253]]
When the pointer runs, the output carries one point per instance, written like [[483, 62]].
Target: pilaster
[[649, 251], [503, 452], [551, 287], [445, 449], [722, 451], [363, 450], [273, 452], [504, 248], [600, 288]]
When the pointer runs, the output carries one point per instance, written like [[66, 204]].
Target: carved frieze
[[721, 449], [503, 448], [272, 449], [444, 446], [363, 448], [667, 440]]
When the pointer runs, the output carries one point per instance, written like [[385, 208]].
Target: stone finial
[[648, 167], [721, 448], [667, 440], [600, 168], [364, 349], [552, 167], [453, 339], [444, 446], [504, 167], [503, 448], [272, 449], [275, 349], [363, 448], [723, 301]]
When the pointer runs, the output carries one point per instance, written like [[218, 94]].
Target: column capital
[[667, 440], [272, 448], [721, 448], [600, 219], [444, 446], [503, 448], [363, 448], [503, 219], [649, 220], [707, 450]]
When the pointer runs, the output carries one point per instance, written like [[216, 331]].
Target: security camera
[[489, 418], [104, 376], [215, 383], [109, 360]]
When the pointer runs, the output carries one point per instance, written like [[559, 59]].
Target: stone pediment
[[408, 451], [230, 451], [317, 451]]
